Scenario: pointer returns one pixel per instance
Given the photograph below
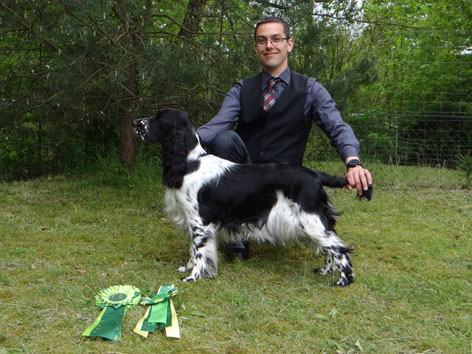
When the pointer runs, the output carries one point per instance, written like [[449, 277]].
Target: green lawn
[[63, 240]]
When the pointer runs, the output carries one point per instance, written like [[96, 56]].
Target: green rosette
[[160, 313], [114, 302]]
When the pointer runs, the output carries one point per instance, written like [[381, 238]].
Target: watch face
[[353, 162]]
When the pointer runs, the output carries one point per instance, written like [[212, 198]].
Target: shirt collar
[[284, 76]]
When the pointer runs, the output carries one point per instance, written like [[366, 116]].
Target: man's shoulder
[[294, 73], [250, 83], [299, 81], [312, 85]]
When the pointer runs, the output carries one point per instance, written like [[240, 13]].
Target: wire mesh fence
[[397, 153], [415, 126]]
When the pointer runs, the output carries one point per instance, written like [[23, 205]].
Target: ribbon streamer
[[160, 313], [114, 302]]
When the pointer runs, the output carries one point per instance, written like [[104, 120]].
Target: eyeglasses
[[275, 39]]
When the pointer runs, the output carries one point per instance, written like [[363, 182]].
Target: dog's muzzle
[[140, 128]]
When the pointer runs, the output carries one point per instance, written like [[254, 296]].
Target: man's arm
[[340, 134], [226, 118], [328, 118]]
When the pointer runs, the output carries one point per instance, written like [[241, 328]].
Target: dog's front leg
[[204, 252], [190, 262]]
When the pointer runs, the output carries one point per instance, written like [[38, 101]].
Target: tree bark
[[127, 107], [127, 141], [193, 17]]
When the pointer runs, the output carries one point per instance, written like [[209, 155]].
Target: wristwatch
[[353, 163]]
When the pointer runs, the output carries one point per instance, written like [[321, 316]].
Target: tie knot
[[273, 82]]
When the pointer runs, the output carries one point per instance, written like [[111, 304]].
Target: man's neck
[[275, 72], [284, 75]]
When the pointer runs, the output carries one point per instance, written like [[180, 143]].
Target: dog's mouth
[[140, 128]]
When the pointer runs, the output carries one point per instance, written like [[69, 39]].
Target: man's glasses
[[275, 39]]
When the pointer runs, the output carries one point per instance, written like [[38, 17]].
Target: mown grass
[[64, 239], [404, 176]]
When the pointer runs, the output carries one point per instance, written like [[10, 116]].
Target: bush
[[464, 164]]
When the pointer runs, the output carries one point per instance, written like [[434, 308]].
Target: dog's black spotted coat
[[210, 197]]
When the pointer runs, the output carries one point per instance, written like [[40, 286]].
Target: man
[[274, 111]]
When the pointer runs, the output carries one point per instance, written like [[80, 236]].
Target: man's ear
[[290, 44]]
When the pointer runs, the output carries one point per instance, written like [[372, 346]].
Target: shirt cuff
[[348, 151]]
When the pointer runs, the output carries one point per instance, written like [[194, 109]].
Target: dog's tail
[[328, 180]]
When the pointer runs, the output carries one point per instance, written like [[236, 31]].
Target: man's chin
[[273, 66]]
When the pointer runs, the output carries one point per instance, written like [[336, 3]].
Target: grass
[[64, 239], [405, 176]]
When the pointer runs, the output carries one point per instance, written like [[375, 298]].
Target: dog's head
[[163, 126], [173, 130]]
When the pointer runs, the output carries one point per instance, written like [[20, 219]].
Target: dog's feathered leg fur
[[203, 260], [336, 259], [190, 262]]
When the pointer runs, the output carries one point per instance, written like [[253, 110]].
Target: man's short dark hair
[[271, 19]]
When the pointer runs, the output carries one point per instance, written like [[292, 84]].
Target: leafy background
[[75, 74]]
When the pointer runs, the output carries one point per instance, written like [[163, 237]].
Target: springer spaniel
[[208, 197]]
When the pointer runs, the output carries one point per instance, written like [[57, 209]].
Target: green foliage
[[75, 69], [464, 164], [75, 73], [425, 66]]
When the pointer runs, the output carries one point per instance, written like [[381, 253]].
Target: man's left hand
[[359, 178]]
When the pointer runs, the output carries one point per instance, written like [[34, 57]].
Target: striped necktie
[[269, 94]]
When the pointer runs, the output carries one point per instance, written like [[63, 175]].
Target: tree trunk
[[127, 107], [193, 17], [127, 137], [127, 141]]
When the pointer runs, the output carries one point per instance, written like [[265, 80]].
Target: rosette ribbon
[[114, 302], [160, 313]]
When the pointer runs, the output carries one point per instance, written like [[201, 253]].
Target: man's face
[[273, 56]]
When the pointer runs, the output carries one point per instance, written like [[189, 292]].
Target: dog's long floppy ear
[[175, 151]]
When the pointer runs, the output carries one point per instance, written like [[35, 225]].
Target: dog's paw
[[341, 283], [188, 279], [344, 281], [182, 269]]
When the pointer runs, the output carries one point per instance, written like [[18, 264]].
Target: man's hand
[[359, 178]]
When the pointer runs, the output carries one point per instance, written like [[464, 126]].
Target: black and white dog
[[208, 197]]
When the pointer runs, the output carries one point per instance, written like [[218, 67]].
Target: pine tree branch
[[175, 21], [96, 25], [28, 27]]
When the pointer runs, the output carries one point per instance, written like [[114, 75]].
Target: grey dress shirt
[[318, 104]]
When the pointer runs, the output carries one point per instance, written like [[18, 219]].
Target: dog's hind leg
[[204, 251], [346, 274], [328, 266], [336, 258]]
